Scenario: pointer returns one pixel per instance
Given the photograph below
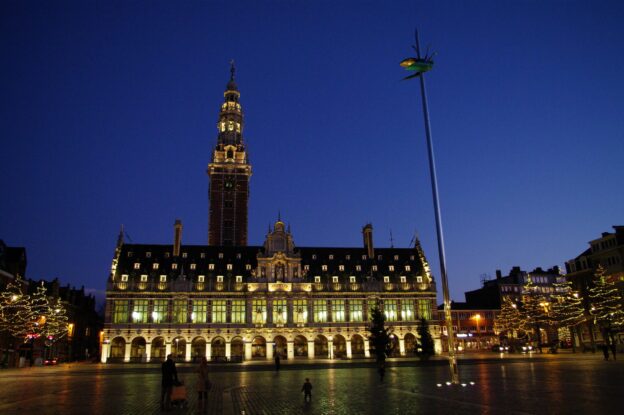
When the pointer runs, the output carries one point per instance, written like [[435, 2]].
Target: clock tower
[[229, 173]]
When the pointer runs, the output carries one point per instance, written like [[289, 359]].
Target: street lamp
[[419, 65], [477, 317]]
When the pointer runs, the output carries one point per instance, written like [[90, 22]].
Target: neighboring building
[[473, 326], [231, 301], [84, 324], [607, 251], [12, 267]]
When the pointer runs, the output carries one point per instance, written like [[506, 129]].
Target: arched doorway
[[178, 349], [218, 349], [258, 347], [357, 346], [137, 350], [320, 347], [395, 351], [118, 349], [237, 350], [340, 347], [301, 346], [158, 350], [198, 349], [410, 344], [280, 347]]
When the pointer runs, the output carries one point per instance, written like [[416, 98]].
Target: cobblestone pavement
[[579, 384]]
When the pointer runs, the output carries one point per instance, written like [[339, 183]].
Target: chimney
[[177, 237], [367, 232], [499, 274]]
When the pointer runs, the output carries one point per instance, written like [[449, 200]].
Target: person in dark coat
[[307, 390], [169, 378]]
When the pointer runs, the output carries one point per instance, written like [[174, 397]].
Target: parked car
[[52, 361], [499, 348]]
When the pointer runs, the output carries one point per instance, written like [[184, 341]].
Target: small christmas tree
[[16, 313], [426, 348], [534, 310], [606, 304], [379, 336], [567, 308], [509, 320]]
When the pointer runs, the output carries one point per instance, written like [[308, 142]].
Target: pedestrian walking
[[605, 351], [203, 383], [277, 362], [307, 390], [169, 378]]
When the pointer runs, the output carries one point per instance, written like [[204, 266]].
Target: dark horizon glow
[[109, 115]]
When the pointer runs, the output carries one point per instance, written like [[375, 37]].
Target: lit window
[[403, 279], [155, 266], [124, 278], [356, 310], [335, 279], [248, 267], [137, 265], [374, 267], [219, 278], [184, 254], [320, 311], [219, 311], [331, 256], [238, 256], [229, 267], [352, 279], [163, 278], [200, 308], [314, 256], [193, 266], [174, 266], [419, 279], [391, 267], [348, 257], [143, 278], [317, 279], [408, 268], [341, 268], [202, 255], [148, 255], [211, 267], [239, 278], [364, 257], [386, 279], [220, 255], [306, 268], [200, 278], [396, 257], [358, 268], [324, 267], [411, 257], [338, 311]]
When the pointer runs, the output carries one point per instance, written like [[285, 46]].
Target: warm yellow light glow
[[70, 329]]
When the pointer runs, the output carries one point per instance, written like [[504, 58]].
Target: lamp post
[[420, 65], [478, 317]]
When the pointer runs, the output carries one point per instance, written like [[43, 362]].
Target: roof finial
[[232, 69], [279, 215]]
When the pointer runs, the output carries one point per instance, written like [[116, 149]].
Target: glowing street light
[[477, 317]]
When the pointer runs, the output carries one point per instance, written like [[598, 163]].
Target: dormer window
[[363, 257], [229, 267], [324, 267], [200, 278], [239, 278], [386, 279], [211, 267], [340, 267], [374, 267], [317, 279], [220, 255], [163, 278], [403, 279], [396, 257], [174, 266], [167, 254], [219, 278], [143, 278], [314, 256], [137, 265], [391, 268], [408, 268], [412, 257], [348, 257], [155, 265], [352, 279], [202, 255], [335, 279], [306, 268], [148, 255], [184, 254], [419, 279], [130, 254], [358, 268], [331, 256], [124, 278], [379, 257], [193, 266], [238, 256]]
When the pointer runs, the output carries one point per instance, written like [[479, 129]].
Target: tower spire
[[232, 69]]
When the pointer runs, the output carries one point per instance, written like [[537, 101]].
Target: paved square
[[578, 384]]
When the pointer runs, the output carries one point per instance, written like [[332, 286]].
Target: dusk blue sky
[[108, 116]]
